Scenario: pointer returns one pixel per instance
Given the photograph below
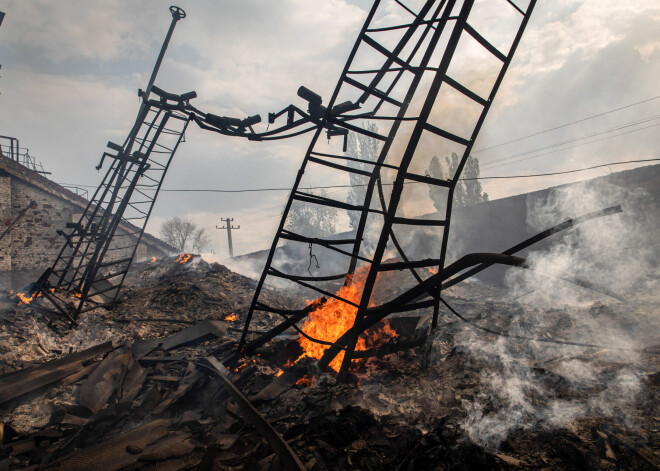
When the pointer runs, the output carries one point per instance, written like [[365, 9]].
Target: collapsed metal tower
[[406, 72], [100, 247]]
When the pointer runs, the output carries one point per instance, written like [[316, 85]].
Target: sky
[[71, 71]]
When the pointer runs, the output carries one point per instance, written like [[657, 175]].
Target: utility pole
[[229, 227]]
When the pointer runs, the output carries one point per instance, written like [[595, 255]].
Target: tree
[[361, 147], [467, 192], [184, 235], [312, 220]]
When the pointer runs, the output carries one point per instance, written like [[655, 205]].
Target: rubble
[[143, 387]]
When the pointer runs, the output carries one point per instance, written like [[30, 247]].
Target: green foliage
[[361, 147], [312, 220], [468, 192]]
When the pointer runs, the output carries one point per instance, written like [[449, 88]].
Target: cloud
[[71, 70]]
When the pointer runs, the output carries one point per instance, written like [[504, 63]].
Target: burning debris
[[334, 318]]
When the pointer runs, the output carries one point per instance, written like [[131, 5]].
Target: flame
[[153, 259], [305, 381], [433, 270], [231, 317], [183, 258], [279, 373], [52, 290], [77, 294], [24, 299], [11, 292], [332, 319]]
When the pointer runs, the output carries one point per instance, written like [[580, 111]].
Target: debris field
[[143, 386]]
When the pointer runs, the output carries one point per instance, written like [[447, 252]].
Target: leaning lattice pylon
[[426, 77]]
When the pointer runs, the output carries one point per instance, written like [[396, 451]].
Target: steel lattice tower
[[100, 247], [407, 75]]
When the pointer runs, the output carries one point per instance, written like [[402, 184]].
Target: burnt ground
[[465, 399]]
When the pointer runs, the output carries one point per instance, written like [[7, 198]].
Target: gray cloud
[[71, 70]]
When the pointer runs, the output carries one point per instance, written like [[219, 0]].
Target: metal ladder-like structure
[[99, 250], [101, 245], [403, 76]]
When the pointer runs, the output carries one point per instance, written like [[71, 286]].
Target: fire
[[231, 317], [183, 258], [433, 270], [305, 381], [24, 299], [153, 259], [279, 373], [77, 294], [334, 318]]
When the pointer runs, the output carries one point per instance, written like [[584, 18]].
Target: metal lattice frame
[[100, 247], [402, 91], [102, 244]]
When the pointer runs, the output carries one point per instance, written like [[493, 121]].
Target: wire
[[564, 172], [540, 339], [622, 162], [572, 147], [567, 124], [582, 138]]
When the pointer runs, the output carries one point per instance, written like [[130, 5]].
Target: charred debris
[[143, 387], [395, 359]]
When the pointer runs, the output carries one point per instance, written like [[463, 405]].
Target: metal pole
[[177, 14], [229, 227]]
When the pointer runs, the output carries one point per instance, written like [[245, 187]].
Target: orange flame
[[153, 259], [183, 258], [24, 299], [334, 318], [231, 317], [279, 373], [305, 381], [433, 270]]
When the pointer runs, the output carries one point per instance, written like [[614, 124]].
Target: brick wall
[[32, 244], [5, 220]]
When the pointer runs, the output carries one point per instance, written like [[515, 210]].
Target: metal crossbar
[[409, 51]]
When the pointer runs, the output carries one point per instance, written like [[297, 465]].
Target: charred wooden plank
[[25, 381]]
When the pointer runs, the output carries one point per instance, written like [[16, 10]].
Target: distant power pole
[[229, 227]]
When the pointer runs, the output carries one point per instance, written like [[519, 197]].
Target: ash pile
[[143, 386]]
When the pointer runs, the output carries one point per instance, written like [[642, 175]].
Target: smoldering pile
[[137, 387]]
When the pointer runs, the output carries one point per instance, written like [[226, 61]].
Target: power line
[[567, 124], [622, 162], [572, 147], [564, 172], [577, 139]]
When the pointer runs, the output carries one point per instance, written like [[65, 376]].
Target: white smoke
[[526, 384]]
